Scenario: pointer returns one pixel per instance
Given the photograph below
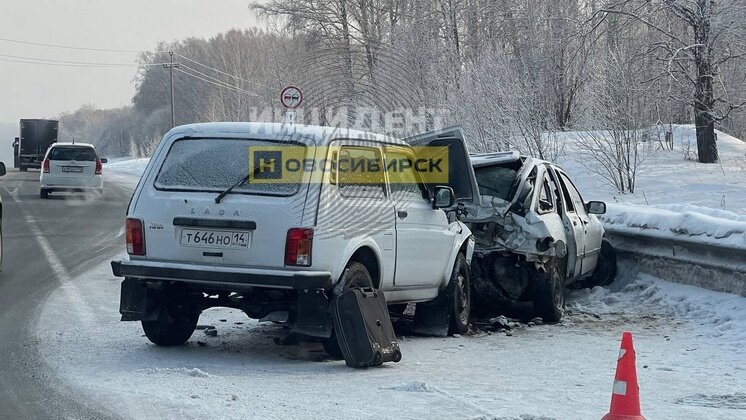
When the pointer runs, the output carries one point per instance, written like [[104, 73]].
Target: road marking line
[[73, 293]]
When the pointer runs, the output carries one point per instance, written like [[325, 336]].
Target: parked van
[[272, 218]]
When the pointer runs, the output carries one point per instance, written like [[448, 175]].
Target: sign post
[[291, 97]]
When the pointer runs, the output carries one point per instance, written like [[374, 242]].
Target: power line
[[216, 80], [68, 47], [67, 63], [10, 60], [49, 60], [218, 71], [224, 86]]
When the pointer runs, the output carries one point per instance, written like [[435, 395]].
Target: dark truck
[[35, 138]]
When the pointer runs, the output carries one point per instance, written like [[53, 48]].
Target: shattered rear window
[[496, 181]]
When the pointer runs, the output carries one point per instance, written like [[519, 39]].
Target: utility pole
[[171, 66]]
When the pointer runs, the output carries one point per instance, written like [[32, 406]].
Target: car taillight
[[135, 237], [45, 166], [298, 247], [99, 167]]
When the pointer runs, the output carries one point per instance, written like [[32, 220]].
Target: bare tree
[[715, 27]]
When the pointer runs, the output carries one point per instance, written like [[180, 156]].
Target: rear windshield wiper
[[243, 180]]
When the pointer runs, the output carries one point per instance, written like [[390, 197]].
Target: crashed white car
[[534, 234]]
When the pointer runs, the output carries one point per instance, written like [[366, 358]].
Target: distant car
[[2, 172], [71, 167]]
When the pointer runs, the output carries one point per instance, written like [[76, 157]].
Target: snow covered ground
[[691, 343], [666, 178], [691, 356]]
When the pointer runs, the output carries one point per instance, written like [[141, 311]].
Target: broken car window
[[546, 199], [496, 181], [577, 200]]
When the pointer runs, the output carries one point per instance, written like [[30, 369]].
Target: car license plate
[[215, 238], [72, 169]]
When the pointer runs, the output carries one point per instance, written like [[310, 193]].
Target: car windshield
[[496, 181], [72, 153], [213, 165]]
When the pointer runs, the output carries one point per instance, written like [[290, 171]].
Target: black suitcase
[[363, 328]]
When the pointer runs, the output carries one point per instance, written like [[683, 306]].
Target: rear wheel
[[176, 320], [44, 193], [549, 292], [355, 275], [170, 330], [606, 269]]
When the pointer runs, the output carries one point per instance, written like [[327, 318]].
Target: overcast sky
[[40, 91]]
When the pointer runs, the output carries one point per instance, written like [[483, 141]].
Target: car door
[[591, 228], [574, 228], [459, 171], [423, 239]]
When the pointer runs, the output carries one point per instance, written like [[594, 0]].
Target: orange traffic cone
[[625, 396]]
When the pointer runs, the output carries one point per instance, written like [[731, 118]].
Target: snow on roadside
[[689, 343], [710, 225], [720, 315], [128, 165]]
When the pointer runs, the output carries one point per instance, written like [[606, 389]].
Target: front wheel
[[449, 313], [549, 292], [459, 297]]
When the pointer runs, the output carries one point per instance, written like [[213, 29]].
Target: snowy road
[[47, 243], [71, 357]]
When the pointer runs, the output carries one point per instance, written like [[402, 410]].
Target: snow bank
[[722, 315], [708, 225], [128, 166]]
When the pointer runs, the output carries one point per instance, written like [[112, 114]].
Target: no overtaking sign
[[291, 97]]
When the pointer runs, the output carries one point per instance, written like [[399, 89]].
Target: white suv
[[224, 215], [71, 167]]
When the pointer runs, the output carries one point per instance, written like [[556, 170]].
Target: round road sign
[[291, 97]]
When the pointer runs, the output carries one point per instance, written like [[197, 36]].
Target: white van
[[224, 215]]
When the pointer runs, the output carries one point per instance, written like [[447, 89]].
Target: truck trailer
[[35, 138]]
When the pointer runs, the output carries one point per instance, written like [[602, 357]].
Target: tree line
[[514, 73]]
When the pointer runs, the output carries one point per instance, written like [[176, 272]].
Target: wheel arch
[[465, 245], [368, 257]]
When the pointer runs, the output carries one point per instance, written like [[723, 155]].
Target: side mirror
[[104, 160], [3, 171], [596, 207], [444, 197]]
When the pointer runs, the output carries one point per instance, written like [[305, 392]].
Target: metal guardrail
[[683, 259]]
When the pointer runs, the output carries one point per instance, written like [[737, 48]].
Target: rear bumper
[[311, 304], [51, 182], [223, 277]]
